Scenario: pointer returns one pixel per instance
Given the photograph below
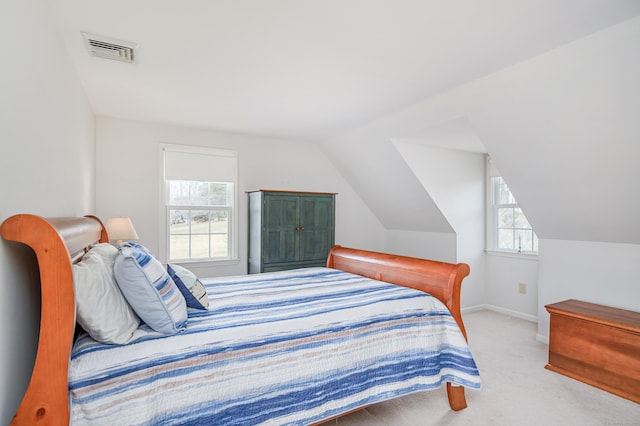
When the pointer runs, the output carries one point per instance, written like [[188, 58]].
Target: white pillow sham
[[101, 309]]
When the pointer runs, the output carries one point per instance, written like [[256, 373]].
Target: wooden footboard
[[440, 279]]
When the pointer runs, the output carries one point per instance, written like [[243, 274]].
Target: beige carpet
[[516, 389]]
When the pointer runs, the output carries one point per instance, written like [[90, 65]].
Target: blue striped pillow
[[149, 289], [190, 286]]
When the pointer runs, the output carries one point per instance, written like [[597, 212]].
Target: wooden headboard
[[57, 242]]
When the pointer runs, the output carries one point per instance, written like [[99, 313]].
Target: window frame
[[492, 221], [164, 234]]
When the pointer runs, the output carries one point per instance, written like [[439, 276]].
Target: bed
[[291, 347]]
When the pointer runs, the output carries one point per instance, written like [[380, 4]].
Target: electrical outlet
[[522, 288]]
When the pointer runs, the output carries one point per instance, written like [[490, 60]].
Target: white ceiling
[[307, 69]]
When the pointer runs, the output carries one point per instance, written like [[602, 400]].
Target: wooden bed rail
[[55, 242]]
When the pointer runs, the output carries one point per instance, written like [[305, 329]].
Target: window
[[199, 203], [507, 227]]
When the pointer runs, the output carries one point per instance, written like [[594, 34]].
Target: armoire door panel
[[296, 229]]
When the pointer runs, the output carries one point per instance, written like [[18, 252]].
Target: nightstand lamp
[[121, 229]]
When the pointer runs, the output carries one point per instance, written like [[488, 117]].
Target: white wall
[[504, 274], [428, 245], [127, 176], [603, 273], [563, 129], [46, 168], [377, 171], [455, 181]]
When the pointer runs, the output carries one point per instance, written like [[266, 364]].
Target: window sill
[[512, 254], [204, 263]]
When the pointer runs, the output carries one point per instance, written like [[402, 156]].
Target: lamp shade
[[121, 228]]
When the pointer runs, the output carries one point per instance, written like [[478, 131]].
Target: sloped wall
[[563, 129], [373, 166]]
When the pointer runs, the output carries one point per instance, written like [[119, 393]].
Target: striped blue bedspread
[[290, 347]]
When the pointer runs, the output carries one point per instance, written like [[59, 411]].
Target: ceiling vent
[[109, 48]]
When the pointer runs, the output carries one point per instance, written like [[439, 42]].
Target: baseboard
[[542, 338], [486, 307], [500, 310], [475, 308]]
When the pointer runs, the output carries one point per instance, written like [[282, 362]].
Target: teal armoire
[[290, 230]]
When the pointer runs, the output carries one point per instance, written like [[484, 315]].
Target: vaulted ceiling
[[513, 78], [561, 127], [307, 69]]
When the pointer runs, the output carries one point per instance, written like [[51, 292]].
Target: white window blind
[[204, 165], [199, 210]]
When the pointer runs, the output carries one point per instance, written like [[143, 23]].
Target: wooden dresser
[[597, 345]]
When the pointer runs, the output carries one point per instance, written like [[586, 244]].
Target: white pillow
[[101, 309], [108, 253], [149, 290]]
